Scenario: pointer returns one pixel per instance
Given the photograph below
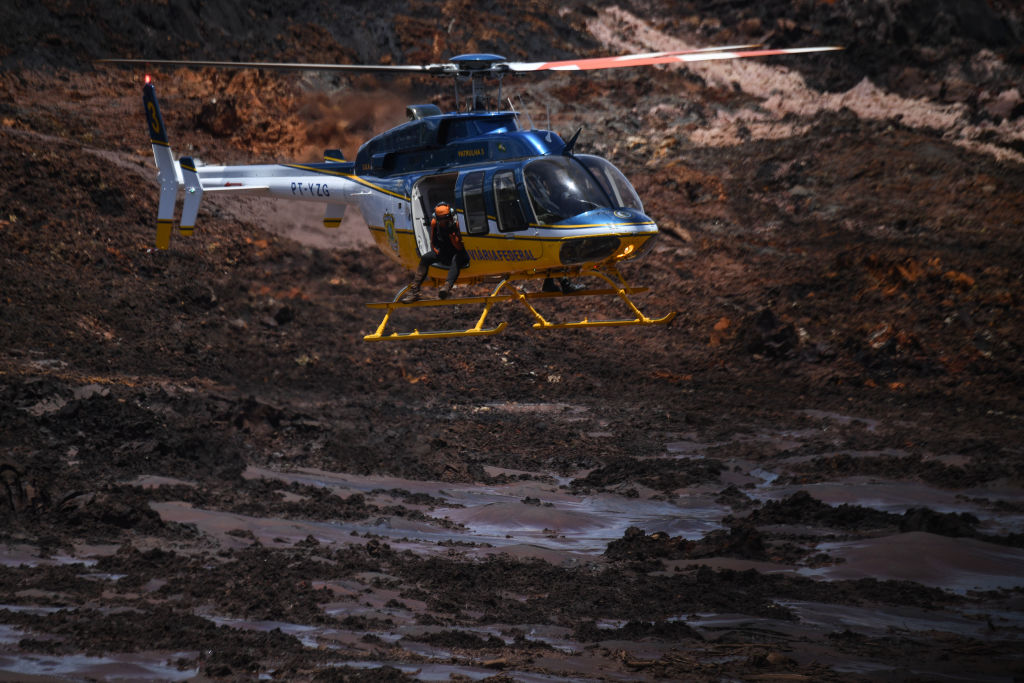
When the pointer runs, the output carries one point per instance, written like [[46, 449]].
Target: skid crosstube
[[612, 277]]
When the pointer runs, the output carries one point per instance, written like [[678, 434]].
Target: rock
[[285, 314], [1005, 105], [765, 335]]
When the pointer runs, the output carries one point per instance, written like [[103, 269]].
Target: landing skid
[[610, 275]]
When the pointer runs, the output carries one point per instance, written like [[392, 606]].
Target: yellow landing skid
[[617, 289]]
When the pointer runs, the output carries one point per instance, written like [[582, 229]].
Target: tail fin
[[166, 168], [333, 155], [193, 194]]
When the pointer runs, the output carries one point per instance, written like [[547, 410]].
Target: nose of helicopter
[[612, 235]]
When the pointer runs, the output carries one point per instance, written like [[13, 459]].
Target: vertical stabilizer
[[166, 173]]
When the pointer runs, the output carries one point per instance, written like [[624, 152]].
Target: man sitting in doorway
[[446, 249]]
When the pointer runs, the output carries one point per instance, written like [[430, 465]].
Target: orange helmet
[[443, 210]]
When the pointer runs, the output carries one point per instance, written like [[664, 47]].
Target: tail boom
[[332, 182]]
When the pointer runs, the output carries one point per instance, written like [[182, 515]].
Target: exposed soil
[[815, 472]]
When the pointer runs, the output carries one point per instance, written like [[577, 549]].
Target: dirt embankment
[[814, 473]]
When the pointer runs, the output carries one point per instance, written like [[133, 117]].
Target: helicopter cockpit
[[561, 187]]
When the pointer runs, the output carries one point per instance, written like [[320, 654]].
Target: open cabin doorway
[[426, 194]]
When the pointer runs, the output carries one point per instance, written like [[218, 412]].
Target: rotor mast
[[475, 68]]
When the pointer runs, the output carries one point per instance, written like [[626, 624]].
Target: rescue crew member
[[446, 249]]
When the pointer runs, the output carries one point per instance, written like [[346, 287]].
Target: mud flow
[[612, 571], [814, 473]]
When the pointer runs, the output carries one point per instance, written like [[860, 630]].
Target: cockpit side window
[[506, 199]]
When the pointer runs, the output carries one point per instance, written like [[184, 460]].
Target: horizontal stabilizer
[[333, 215], [334, 155]]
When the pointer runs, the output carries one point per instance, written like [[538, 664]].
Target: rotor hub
[[479, 64]]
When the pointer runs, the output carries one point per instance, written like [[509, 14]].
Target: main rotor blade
[[649, 59], [284, 66], [496, 65], [616, 60]]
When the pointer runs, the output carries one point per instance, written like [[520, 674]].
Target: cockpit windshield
[[561, 187]]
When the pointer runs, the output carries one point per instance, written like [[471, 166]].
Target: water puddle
[[870, 425], [113, 667], [955, 564], [541, 517], [532, 518], [880, 620], [405, 636], [531, 513], [565, 411], [152, 481], [10, 634], [427, 671], [28, 556], [897, 497], [687, 446], [309, 636]]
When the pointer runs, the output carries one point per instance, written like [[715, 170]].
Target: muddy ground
[[814, 473]]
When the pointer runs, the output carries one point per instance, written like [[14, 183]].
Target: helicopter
[[527, 204]]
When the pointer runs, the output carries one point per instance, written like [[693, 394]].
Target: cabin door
[[425, 195]]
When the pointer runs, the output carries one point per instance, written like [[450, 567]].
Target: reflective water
[[532, 513], [114, 667], [955, 564], [881, 620], [542, 517]]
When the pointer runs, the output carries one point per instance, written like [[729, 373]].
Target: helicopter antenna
[[572, 142], [547, 109], [525, 110]]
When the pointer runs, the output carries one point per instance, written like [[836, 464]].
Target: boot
[[445, 291], [413, 293], [568, 286]]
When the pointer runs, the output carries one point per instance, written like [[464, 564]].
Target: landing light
[[148, 79]]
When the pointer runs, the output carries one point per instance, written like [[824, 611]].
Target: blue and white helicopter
[[527, 205]]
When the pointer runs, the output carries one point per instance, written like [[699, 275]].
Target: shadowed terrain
[[814, 473]]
